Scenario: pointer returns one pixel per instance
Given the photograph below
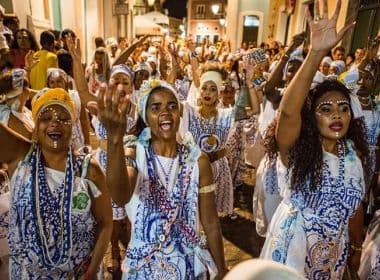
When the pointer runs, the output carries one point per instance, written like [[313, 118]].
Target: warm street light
[[222, 21], [151, 2], [215, 9]]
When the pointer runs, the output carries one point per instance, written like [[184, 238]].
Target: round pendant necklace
[[211, 139]]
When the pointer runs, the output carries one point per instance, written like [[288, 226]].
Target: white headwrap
[[318, 79], [55, 73], [339, 65], [213, 76], [327, 60], [145, 90]]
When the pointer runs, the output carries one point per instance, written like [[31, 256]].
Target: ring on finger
[[317, 18]]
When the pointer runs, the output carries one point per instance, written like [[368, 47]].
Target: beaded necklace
[[166, 174], [52, 212]]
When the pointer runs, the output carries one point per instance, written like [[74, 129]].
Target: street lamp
[[222, 21], [215, 9], [151, 2]]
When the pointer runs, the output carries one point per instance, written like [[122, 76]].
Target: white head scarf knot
[[213, 76], [146, 89]]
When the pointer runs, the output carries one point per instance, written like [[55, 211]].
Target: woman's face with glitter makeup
[[333, 115], [54, 128]]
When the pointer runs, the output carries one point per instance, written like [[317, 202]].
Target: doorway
[[251, 25]]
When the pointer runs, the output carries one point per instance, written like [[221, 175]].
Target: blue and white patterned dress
[[165, 241], [266, 197], [26, 260], [219, 128], [372, 121], [100, 155], [309, 230]]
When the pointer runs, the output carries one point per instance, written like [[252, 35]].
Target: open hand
[[112, 110], [323, 30], [297, 41], [74, 48], [30, 60]]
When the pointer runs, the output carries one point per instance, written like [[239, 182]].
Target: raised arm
[[323, 37], [111, 112], [174, 66], [79, 74], [275, 79], [194, 68], [123, 57]]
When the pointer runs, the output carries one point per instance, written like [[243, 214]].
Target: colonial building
[[287, 18], [206, 19], [87, 18]]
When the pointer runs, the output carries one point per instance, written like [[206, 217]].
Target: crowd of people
[[144, 148]]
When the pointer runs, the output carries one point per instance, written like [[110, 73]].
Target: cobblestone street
[[241, 241]]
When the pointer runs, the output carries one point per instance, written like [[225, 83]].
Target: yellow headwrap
[[54, 96]]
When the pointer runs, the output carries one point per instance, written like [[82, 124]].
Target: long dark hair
[[305, 158], [33, 42]]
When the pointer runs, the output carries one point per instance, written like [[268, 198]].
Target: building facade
[[206, 21], [246, 22], [284, 23], [87, 18]]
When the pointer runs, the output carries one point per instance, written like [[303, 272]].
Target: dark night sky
[[177, 8]]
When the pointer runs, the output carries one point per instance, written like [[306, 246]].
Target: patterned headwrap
[[124, 69], [213, 76], [146, 88], [54, 96]]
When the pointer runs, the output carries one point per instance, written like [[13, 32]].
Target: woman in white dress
[[317, 227], [168, 189], [210, 126], [60, 211]]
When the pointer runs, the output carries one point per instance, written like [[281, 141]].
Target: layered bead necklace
[[52, 213], [167, 174]]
